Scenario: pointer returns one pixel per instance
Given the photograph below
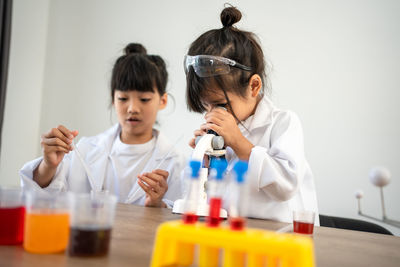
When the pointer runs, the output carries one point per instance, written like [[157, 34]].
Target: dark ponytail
[[137, 71], [134, 48], [230, 16]]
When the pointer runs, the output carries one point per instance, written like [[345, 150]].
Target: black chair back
[[352, 224]]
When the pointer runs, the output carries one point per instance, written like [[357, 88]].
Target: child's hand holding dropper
[[55, 144]]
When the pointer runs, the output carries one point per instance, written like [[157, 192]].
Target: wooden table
[[135, 227]]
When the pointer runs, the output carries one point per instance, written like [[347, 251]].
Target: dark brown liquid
[[89, 242]]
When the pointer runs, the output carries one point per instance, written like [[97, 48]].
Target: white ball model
[[379, 176], [359, 194]]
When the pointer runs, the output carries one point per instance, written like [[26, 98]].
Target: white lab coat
[[279, 179], [71, 175]]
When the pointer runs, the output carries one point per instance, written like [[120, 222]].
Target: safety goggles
[[208, 66]]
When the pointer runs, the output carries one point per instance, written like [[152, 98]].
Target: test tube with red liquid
[[216, 187], [191, 199], [238, 197]]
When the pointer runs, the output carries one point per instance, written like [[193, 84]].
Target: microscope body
[[212, 145]]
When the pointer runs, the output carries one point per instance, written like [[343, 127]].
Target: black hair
[[138, 71], [232, 43]]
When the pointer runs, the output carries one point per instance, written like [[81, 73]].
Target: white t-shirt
[[128, 162]]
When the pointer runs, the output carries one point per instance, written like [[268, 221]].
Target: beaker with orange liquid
[[46, 222]]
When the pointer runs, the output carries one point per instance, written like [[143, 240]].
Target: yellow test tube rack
[[176, 242]]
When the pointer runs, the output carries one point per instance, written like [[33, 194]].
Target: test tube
[[238, 195], [191, 199], [216, 186]]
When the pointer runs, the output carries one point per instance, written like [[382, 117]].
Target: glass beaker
[[303, 222], [12, 214], [47, 222], [92, 220]]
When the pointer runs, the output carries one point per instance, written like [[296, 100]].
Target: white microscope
[[212, 145]]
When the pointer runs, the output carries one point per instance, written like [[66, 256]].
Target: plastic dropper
[[86, 167]]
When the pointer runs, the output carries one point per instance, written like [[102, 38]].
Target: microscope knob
[[217, 142], [212, 132]]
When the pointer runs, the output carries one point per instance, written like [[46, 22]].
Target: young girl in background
[[225, 68], [128, 159]]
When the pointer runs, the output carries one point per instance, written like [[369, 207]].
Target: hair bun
[[135, 48], [230, 15]]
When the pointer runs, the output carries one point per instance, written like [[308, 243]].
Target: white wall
[[21, 127], [335, 63]]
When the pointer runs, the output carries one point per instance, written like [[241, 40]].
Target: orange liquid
[[46, 232]]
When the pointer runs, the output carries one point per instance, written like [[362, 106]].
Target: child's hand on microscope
[[224, 124], [197, 133]]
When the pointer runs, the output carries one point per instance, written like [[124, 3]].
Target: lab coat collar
[[102, 146], [261, 117], [103, 143], [163, 147]]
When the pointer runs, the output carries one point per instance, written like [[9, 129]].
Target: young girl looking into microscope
[[225, 68]]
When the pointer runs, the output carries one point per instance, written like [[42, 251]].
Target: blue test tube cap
[[240, 169], [220, 166], [195, 167]]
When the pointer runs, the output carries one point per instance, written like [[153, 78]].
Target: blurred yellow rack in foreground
[[176, 243]]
